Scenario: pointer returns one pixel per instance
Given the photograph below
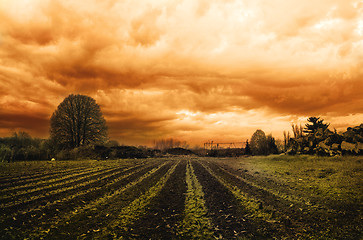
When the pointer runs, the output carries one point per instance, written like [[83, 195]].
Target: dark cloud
[[184, 68], [136, 130], [35, 124]]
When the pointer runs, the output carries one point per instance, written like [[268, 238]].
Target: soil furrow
[[265, 199], [89, 222], [38, 189], [84, 195], [60, 193], [164, 212], [228, 217], [136, 209], [293, 218], [53, 213], [56, 169], [182, 198], [10, 182]]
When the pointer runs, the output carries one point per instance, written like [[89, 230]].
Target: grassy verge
[[196, 224], [337, 179], [328, 190]]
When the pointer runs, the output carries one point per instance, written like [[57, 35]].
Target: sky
[[193, 70]]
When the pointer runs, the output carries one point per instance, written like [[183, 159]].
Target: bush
[[127, 152], [179, 151], [63, 155], [5, 153], [228, 152]]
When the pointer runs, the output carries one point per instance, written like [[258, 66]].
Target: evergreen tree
[[247, 148]]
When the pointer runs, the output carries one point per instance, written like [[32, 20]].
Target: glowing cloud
[[195, 70]]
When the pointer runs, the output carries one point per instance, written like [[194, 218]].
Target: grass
[[329, 188], [196, 224], [336, 178]]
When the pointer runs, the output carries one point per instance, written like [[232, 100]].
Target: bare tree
[[297, 130], [77, 121], [287, 140], [164, 144]]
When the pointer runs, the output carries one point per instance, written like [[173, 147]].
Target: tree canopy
[[77, 121], [258, 143], [316, 138], [315, 123]]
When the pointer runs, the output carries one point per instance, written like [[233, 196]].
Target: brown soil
[[165, 212], [46, 215], [91, 221], [53, 216], [295, 219], [230, 220]]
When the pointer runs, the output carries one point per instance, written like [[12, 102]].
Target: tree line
[[317, 138], [75, 126], [314, 138], [78, 130]]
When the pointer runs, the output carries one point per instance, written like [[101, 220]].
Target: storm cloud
[[195, 70]]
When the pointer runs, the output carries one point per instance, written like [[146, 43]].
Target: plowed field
[[183, 198]]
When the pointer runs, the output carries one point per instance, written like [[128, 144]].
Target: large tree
[[77, 121]]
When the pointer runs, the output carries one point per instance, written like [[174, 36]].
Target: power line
[[216, 145]]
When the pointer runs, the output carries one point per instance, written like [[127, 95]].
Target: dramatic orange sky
[[192, 70]]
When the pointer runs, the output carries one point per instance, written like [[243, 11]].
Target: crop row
[[21, 173], [35, 188], [124, 203], [165, 212], [165, 199], [20, 180], [63, 192], [266, 203], [102, 216], [43, 208]]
